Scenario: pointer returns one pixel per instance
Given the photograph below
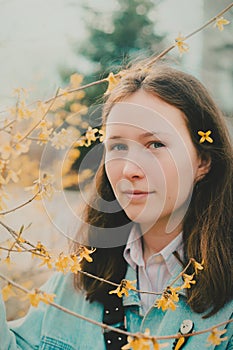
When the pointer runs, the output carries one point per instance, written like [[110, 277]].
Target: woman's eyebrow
[[146, 134], [154, 133], [114, 137]]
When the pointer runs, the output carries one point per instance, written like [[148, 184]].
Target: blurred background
[[42, 43]]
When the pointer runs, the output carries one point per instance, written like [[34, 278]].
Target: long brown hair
[[207, 226]]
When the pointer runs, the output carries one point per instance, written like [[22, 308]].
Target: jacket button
[[186, 327]]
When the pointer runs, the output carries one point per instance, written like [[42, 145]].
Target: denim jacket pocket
[[48, 343]]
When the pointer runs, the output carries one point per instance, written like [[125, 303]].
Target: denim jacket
[[47, 328]]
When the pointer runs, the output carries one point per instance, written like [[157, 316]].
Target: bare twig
[[20, 206]]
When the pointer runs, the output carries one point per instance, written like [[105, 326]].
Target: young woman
[[163, 195]]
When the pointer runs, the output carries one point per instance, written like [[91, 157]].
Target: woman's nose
[[132, 169]]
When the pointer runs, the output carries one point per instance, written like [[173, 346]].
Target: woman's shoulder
[[56, 282], [63, 288]]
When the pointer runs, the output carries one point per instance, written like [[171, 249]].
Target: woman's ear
[[204, 166]]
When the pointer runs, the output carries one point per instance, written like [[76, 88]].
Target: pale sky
[[36, 38]]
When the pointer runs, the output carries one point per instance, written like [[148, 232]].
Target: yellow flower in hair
[[112, 82], [90, 135], [102, 134], [181, 44], [220, 22], [205, 136], [215, 337]]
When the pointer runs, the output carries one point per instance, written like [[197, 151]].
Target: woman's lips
[[137, 195]]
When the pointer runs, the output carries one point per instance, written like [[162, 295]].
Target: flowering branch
[[42, 118], [7, 125], [103, 325], [213, 19], [151, 62], [83, 87]]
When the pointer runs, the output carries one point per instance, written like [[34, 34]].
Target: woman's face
[[150, 160]]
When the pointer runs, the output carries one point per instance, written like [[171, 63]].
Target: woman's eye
[[118, 147], [156, 144]]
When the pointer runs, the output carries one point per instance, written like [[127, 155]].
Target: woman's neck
[[155, 238]]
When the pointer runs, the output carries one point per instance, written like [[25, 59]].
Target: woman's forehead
[[151, 120]]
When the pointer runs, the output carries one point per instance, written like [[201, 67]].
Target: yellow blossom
[[75, 80], [157, 346], [46, 260], [112, 82], [22, 147], [74, 119], [7, 292], [123, 288], [143, 342], [168, 299], [205, 136], [73, 154], [79, 94], [34, 298], [37, 296], [90, 135], [181, 44], [63, 92], [103, 134], [47, 298], [78, 108], [84, 175], [84, 253], [220, 22], [7, 261], [22, 111], [80, 142], [45, 124], [20, 92], [62, 263], [45, 132], [40, 248], [43, 136], [3, 196], [65, 137], [44, 186], [12, 175], [75, 265], [40, 110], [188, 280], [6, 151], [138, 343], [197, 266], [61, 139], [84, 125], [215, 337]]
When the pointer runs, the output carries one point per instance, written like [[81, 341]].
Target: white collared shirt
[[159, 268]]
